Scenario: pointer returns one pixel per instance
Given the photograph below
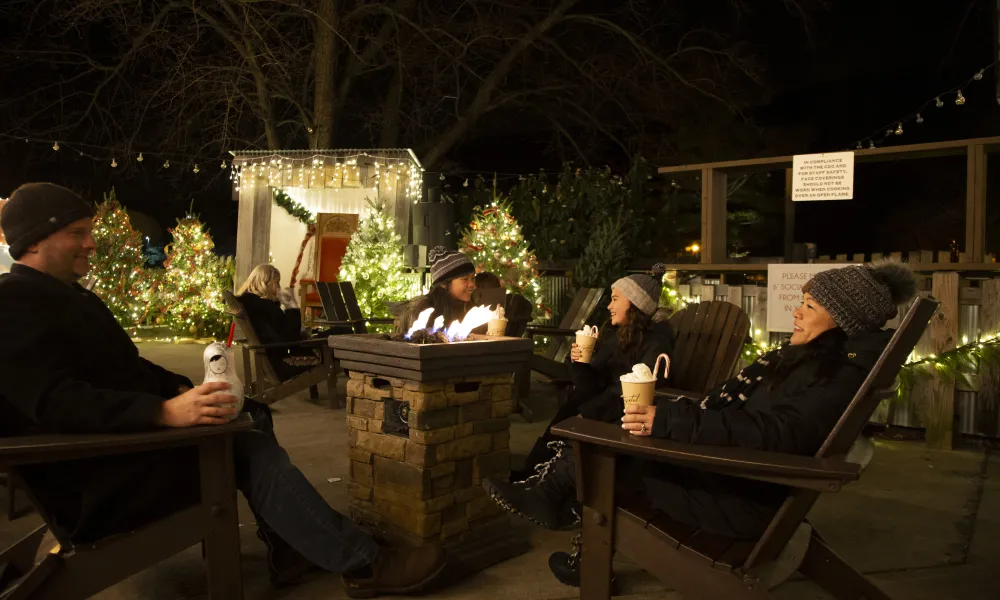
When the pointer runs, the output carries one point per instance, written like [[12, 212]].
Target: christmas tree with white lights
[[117, 265], [191, 288], [373, 263], [495, 244]]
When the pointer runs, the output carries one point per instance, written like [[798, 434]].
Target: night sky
[[852, 69]]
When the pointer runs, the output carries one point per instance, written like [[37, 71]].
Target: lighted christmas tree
[[495, 244], [192, 285], [373, 262], [117, 264]]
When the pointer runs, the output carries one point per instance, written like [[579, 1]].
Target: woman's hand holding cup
[[575, 354]]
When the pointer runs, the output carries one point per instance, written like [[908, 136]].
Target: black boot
[[285, 565], [544, 497], [566, 567]]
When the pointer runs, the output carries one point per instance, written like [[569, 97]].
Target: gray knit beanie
[[642, 290], [37, 210], [862, 299], [447, 265]]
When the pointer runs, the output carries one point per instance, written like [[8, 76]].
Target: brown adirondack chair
[[260, 378], [702, 566], [340, 306], [77, 571], [709, 337], [552, 363]]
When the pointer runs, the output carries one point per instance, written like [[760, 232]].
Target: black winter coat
[[596, 384], [795, 416], [66, 366], [273, 326]]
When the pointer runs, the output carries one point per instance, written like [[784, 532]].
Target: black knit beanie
[[37, 210], [447, 265], [862, 298], [643, 290]]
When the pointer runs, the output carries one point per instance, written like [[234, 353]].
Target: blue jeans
[[280, 495]]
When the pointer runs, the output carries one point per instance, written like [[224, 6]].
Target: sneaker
[[396, 571]]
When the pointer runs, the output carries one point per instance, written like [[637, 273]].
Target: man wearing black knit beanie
[[66, 366]]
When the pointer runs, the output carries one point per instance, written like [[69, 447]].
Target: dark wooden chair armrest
[[547, 330], [381, 320], [821, 474], [295, 344], [31, 449], [328, 322], [666, 392]]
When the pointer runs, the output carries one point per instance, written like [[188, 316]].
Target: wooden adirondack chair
[[702, 566], [340, 304], [262, 382], [77, 571], [709, 338], [552, 363]]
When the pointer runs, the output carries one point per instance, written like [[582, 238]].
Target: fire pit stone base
[[418, 452]]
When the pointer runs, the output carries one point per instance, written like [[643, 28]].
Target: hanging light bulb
[[888, 131], [223, 165], [466, 184], [871, 144], [978, 76], [959, 98], [899, 129], [138, 158], [938, 103], [195, 167], [55, 146], [114, 163], [919, 118], [166, 164], [859, 146]]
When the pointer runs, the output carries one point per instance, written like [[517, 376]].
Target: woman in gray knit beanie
[[453, 280]]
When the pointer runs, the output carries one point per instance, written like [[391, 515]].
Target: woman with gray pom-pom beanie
[[787, 401], [632, 336]]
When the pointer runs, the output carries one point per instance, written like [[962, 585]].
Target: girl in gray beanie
[[453, 280], [633, 336]]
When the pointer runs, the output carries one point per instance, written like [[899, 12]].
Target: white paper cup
[[496, 327], [638, 393], [586, 344]]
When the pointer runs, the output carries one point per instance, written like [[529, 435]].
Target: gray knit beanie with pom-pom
[[862, 299], [642, 290]]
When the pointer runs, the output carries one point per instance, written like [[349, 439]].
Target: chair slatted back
[[709, 339], [235, 308], [876, 387], [584, 303], [519, 312], [353, 308]]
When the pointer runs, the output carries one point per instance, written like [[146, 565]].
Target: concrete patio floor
[[924, 524]]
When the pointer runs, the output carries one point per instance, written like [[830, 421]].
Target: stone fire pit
[[426, 424]]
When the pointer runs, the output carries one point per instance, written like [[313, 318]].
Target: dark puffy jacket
[[596, 385], [795, 416]]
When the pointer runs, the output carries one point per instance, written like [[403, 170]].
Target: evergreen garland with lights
[[117, 265], [495, 244], [192, 285], [373, 262], [282, 199]]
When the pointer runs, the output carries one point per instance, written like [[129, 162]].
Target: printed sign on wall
[[823, 176]]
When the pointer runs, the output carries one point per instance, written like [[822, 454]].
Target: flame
[[421, 322], [458, 330]]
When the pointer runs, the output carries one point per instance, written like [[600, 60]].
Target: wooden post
[[858, 258], [253, 228], [713, 216], [940, 413], [735, 295], [988, 399], [789, 217], [975, 204]]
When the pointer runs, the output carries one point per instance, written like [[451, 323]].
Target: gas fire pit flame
[[458, 330]]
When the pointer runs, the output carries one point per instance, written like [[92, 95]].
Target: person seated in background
[[68, 367], [452, 285], [787, 401], [633, 335], [276, 318]]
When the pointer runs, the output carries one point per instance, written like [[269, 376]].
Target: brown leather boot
[[396, 571]]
